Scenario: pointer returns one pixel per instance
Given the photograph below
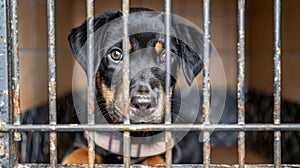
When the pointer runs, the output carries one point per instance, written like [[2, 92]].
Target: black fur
[[189, 51], [147, 65], [147, 68]]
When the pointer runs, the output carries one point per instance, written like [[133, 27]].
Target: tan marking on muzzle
[[129, 45], [160, 103], [107, 93]]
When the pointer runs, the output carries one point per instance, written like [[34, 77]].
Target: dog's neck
[[138, 149]]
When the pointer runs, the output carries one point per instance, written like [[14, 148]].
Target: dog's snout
[[143, 103], [143, 89]]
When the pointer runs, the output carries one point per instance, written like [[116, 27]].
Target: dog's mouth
[[115, 116], [143, 105], [143, 109]]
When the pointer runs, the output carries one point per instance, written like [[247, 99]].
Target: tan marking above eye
[[129, 45], [159, 46]]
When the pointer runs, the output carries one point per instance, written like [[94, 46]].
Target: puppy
[[147, 75]]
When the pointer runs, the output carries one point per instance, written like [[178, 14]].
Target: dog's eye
[[116, 54], [162, 57]]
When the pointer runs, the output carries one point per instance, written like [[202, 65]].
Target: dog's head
[[147, 61]]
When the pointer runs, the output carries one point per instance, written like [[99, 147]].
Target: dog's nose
[[143, 102]]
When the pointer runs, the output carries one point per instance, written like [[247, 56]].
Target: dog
[[147, 54], [147, 84]]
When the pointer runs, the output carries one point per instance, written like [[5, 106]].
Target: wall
[[260, 47], [33, 50], [71, 13]]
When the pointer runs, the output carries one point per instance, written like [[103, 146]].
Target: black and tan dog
[[147, 82], [147, 71]]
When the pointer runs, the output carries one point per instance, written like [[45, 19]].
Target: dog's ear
[[190, 46], [78, 36]]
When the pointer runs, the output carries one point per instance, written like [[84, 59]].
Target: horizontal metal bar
[[151, 127], [161, 166]]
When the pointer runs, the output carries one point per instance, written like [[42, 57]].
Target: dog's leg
[[80, 156], [154, 160]]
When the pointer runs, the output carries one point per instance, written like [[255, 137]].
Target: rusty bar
[[168, 119], [206, 81], [151, 127], [52, 79], [277, 81], [90, 78], [4, 96], [14, 82], [15, 75], [241, 80], [161, 166], [125, 84]]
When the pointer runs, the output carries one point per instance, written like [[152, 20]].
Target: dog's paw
[[154, 160], [80, 156]]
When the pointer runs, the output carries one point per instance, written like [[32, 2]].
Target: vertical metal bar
[[125, 84], [277, 81], [206, 82], [14, 80], [4, 96], [15, 67], [90, 76], [168, 84], [52, 79], [241, 80]]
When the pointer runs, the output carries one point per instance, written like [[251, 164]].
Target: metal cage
[[10, 125]]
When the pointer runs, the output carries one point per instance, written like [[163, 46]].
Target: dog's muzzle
[[143, 104]]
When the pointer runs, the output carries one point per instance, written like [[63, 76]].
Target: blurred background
[[259, 45]]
